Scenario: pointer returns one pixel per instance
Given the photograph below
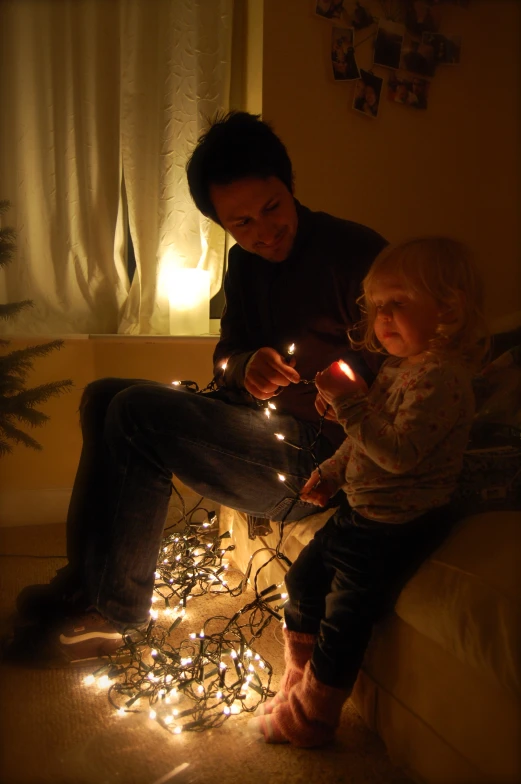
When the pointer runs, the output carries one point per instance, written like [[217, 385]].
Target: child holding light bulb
[[398, 466]]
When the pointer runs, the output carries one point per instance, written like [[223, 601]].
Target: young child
[[422, 305]]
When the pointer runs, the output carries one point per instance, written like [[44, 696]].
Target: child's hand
[[324, 409], [333, 382], [317, 491]]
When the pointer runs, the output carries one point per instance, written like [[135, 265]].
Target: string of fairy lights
[[197, 682]]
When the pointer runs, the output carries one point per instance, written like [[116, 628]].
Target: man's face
[[260, 214]]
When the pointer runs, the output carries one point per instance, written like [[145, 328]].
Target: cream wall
[[35, 486], [453, 168]]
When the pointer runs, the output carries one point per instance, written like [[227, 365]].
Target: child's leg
[[371, 563], [298, 649], [302, 613]]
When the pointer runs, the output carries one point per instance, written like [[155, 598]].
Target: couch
[[441, 679]]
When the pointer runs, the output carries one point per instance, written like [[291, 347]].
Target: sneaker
[[63, 595], [75, 641]]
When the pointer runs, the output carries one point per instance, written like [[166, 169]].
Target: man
[[293, 277]]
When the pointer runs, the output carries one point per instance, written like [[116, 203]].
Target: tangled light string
[[215, 673]]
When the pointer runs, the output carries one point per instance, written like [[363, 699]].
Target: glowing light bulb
[[89, 680], [176, 383], [226, 710], [273, 406], [178, 730], [154, 614], [267, 412], [152, 714], [279, 436], [291, 349], [224, 364], [121, 712], [168, 719], [282, 478]]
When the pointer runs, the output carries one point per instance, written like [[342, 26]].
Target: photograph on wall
[[367, 93], [360, 17], [343, 54], [329, 9], [410, 92], [418, 56], [446, 48], [422, 16], [388, 43]]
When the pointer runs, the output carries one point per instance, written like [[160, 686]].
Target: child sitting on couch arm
[[398, 466]]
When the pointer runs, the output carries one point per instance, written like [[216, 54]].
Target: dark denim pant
[[136, 435], [348, 577]]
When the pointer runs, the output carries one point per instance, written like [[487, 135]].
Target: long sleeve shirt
[[405, 440], [309, 300]]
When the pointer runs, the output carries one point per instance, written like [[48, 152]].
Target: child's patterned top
[[405, 439]]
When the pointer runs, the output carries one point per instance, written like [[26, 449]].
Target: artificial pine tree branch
[[17, 436], [28, 398], [20, 361], [16, 402], [11, 309]]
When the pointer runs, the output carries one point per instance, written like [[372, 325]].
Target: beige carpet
[[57, 730]]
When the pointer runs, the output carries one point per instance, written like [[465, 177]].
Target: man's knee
[[98, 395]]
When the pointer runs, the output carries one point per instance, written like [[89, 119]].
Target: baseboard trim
[[40, 506]]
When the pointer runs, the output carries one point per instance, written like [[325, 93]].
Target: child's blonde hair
[[443, 268]]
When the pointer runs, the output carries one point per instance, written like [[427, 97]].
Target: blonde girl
[[399, 465]]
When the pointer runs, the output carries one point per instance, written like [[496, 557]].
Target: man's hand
[[333, 382], [267, 371], [317, 491]]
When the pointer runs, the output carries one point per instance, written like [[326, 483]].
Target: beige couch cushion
[[467, 596]]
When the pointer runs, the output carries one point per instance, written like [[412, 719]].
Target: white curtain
[[102, 101]]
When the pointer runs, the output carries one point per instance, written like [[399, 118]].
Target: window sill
[[211, 336]]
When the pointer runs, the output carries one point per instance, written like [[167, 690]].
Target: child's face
[[405, 321]]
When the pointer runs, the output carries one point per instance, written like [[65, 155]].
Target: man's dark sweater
[[309, 300]]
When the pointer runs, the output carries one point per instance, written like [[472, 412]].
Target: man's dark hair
[[237, 145]]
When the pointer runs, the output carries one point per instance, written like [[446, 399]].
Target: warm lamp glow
[[189, 298]]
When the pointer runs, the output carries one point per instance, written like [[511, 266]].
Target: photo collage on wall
[[408, 40]]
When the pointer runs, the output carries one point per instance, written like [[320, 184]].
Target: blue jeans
[[348, 577], [136, 435]]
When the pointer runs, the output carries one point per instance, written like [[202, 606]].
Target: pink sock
[[308, 718], [265, 708]]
